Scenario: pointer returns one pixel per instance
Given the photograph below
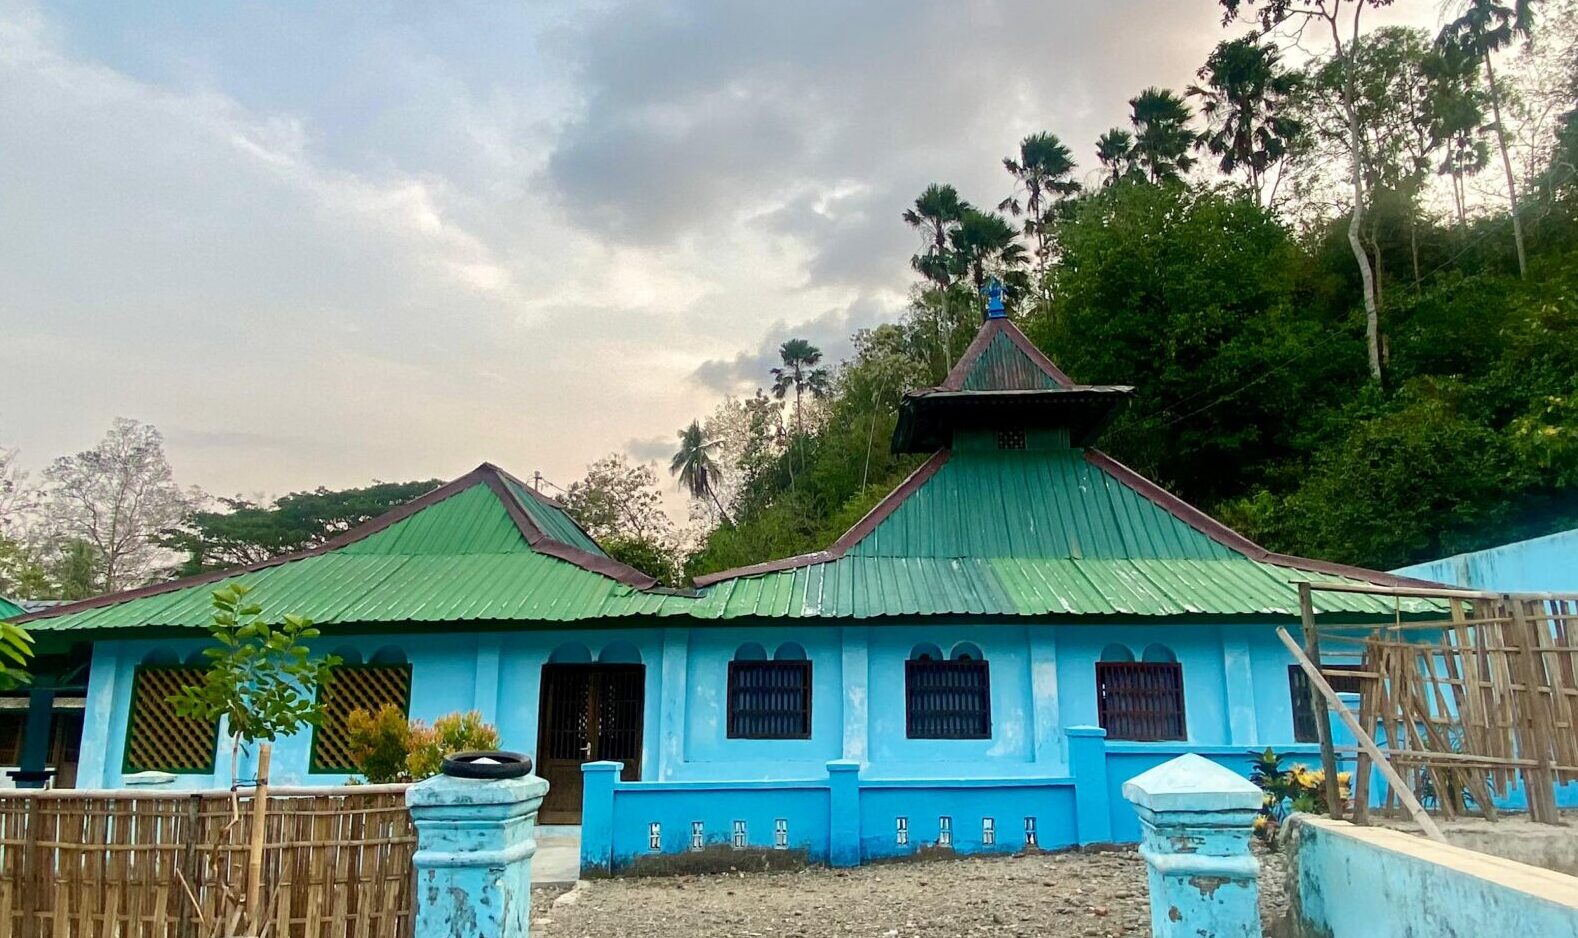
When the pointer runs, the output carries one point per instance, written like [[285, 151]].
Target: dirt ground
[[1076, 893]]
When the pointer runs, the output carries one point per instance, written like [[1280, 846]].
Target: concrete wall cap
[[1192, 783], [446, 791]]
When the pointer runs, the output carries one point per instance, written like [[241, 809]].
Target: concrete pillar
[[33, 767], [843, 843], [1042, 640], [671, 712], [597, 817], [1087, 762], [474, 844], [485, 690], [855, 669], [1197, 818], [1242, 729]]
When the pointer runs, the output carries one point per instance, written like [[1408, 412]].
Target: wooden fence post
[[1319, 707], [31, 886], [255, 853], [187, 926]]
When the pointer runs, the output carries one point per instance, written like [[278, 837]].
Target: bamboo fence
[[129, 864], [1467, 701]]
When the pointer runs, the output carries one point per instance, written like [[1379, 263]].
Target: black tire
[[506, 765]]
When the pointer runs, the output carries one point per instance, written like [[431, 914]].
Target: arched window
[[384, 681], [1117, 652], [947, 698], [769, 699], [1141, 700], [619, 653]]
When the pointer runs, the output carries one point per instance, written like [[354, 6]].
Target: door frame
[[632, 767]]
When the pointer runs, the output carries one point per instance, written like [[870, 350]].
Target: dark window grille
[[157, 738], [1011, 439], [367, 687], [769, 700], [947, 699], [1141, 700], [1305, 729]]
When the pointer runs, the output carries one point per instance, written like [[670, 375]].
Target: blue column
[[485, 692], [1242, 729], [1042, 641], [474, 844], [597, 817], [671, 712], [855, 670], [33, 766], [1087, 762], [1197, 818], [843, 842]]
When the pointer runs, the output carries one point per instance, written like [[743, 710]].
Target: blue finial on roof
[[994, 300]]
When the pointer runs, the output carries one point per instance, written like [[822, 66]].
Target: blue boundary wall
[[843, 818], [1539, 565], [1369, 882]]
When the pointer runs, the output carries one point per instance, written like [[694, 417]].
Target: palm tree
[[1115, 151], [1457, 121], [1244, 98], [937, 211], [1045, 170], [800, 374], [1162, 138], [1484, 28], [985, 243], [695, 467]]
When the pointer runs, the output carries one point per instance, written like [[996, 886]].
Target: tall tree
[[695, 467], [620, 507], [1044, 171], [247, 532], [1244, 97], [1484, 28], [117, 498], [1115, 152], [800, 373], [1332, 15], [936, 213], [1162, 138], [986, 244], [1458, 123]]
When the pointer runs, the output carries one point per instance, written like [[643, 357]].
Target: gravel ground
[[1096, 893]]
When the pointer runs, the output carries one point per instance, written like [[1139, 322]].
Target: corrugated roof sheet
[[1002, 366], [460, 558], [9, 608]]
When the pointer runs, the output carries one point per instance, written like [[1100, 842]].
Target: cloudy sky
[[327, 243]]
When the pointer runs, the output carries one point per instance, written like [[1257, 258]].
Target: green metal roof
[[1049, 530], [1035, 532], [9, 608], [481, 548]]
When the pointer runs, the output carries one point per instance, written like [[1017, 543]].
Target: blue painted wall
[[1541, 565], [1367, 882], [1042, 680]]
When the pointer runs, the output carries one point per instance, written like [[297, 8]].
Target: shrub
[[388, 747], [380, 743], [456, 732], [1291, 789]]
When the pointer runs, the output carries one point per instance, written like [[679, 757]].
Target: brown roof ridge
[[1231, 539], [857, 533], [977, 347]]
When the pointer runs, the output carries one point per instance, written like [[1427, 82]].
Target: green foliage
[[260, 678], [456, 732], [379, 744], [16, 647], [387, 747], [246, 532], [1290, 789]]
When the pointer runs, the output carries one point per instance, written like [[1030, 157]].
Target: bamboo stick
[[1415, 809], [255, 855]]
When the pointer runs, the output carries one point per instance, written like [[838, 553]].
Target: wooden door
[[588, 713]]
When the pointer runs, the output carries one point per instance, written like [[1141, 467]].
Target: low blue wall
[[842, 819], [1367, 882]]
